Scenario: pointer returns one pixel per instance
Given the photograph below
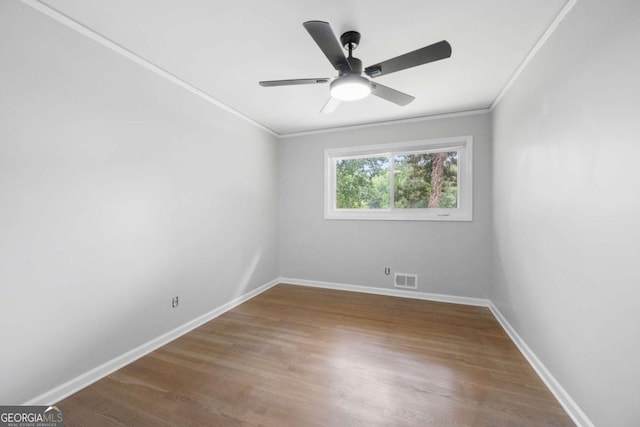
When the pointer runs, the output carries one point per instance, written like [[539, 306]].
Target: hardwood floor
[[296, 356]]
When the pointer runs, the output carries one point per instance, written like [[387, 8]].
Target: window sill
[[387, 215]]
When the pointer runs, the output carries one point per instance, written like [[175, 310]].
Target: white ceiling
[[225, 48]]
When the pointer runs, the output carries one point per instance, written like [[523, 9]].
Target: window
[[419, 180]]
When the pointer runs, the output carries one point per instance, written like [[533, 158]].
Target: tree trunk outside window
[[437, 174]]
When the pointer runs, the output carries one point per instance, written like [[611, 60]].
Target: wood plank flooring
[[297, 356]]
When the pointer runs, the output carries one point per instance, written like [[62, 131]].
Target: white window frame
[[464, 211]]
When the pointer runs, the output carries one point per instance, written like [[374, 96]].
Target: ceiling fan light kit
[[352, 83], [350, 87]]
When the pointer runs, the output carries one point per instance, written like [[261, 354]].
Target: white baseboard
[[76, 384], [570, 406], [388, 292], [561, 395]]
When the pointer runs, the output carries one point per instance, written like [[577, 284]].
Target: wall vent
[[405, 281]]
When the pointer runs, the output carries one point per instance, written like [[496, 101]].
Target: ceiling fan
[[352, 83]]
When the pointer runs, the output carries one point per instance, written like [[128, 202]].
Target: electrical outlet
[[174, 302]]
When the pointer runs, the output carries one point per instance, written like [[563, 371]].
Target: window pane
[[426, 180], [362, 183]]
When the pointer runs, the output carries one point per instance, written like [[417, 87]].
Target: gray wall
[[567, 205], [118, 190], [451, 258]]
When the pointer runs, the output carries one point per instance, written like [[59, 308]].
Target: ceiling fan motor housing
[[356, 66]]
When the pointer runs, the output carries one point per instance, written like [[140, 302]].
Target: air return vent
[[406, 281]]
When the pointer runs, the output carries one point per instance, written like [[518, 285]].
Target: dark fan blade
[[326, 40], [390, 95], [269, 83], [434, 52]]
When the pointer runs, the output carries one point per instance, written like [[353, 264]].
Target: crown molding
[[110, 44], [554, 25], [388, 123], [104, 41]]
